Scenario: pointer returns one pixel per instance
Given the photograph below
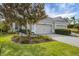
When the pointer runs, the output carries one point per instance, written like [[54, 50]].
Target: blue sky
[[62, 9]]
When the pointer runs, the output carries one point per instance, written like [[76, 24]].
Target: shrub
[[11, 32], [4, 27], [70, 26], [22, 31], [15, 38], [77, 26], [63, 31], [40, 38], [20, 39]]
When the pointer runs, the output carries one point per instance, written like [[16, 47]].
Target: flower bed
[[34, 39]]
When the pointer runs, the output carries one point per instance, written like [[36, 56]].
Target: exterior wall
[[56, 24], [34, 28], [46, 21], [13, 27]]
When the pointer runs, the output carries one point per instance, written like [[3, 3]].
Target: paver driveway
[[72, 40]]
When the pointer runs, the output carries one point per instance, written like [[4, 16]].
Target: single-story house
[[48, 25]]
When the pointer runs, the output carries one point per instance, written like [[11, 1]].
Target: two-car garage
[[44, 29]]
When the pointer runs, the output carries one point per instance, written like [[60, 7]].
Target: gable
[[60, 19], [56, 20]]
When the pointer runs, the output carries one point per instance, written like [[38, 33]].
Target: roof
[[50, 20], [60, 19]]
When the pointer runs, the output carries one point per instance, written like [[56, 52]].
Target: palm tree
[[74, 20]]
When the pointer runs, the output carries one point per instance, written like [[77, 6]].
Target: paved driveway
[[72, 40]]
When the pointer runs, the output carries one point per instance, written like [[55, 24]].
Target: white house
[[48, 25]]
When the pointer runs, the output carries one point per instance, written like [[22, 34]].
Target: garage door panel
[[43, 29]]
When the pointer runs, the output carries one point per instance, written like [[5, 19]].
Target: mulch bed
[[31, 40]]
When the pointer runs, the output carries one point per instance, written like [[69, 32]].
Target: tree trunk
[[26, 29], [29, 35], [11, 27]]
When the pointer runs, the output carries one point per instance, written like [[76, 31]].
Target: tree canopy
[[23, 12]]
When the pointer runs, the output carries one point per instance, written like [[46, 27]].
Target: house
[[44, 26], [48, 25]]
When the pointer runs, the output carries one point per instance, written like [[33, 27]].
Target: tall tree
[[23, 13]]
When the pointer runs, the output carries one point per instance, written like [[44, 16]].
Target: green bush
[[4, 27], [77, 26], [70, 26], [22, 31], [11, 32], [63, 31]]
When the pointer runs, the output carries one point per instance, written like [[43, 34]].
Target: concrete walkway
[[72, 40]]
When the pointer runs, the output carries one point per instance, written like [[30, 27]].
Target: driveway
[[72, 40]]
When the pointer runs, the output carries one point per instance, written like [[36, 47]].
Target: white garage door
[[43, 29]]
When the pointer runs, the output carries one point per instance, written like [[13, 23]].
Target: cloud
[[67, 14], [62, 15], [61, 9]]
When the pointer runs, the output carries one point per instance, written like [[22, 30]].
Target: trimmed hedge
[[63, 31]]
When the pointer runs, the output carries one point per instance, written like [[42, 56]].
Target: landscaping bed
[[34, 39]]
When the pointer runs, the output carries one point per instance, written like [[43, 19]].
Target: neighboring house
[[48, 25]]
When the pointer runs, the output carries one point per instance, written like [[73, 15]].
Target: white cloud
[[66, 14], [62, 15]]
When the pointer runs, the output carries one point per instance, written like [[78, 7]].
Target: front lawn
[[9, 48]]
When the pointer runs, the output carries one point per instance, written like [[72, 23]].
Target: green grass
[[9, 48]]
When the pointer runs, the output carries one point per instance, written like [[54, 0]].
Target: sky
[[62, 9]]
